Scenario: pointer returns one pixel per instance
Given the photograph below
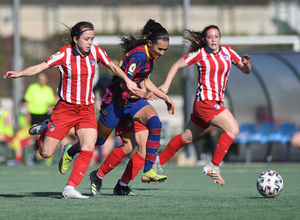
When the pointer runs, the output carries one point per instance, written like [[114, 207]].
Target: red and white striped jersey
[[77, 73], [213, 71]]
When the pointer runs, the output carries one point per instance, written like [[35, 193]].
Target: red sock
[[113, 159], [80, 167], [223, 145], [40, 141], [170, 150], [19, 159], [133, 167]]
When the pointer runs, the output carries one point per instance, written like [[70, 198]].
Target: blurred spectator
[[295, 141], [21, 137], [6, 132], [40, 98]]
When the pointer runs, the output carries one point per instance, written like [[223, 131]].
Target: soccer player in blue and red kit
[[77, 63], [213, 62]]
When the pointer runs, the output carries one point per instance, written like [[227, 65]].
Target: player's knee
[[154, 123]]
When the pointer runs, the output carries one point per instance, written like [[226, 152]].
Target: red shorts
[[205, 111], [127, 125], [66, 115]]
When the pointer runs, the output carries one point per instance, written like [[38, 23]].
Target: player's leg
[[228, 124], [87, 138], [135, 164], [148, 116]]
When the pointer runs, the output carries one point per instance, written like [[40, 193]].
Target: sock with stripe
[[133, 167], [154, 126], [80, 167], [223, 145], [112, 160], [170, 150]]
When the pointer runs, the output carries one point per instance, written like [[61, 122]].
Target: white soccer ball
[[269, 183]]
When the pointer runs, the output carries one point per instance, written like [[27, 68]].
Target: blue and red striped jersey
[[137, 65]]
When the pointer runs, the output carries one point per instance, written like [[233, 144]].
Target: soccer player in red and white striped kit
[[77, 64], [213, 62]]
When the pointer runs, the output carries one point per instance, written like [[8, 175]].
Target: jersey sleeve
[[192, 58], [134, 66], [103, 59], [235, 58], [55, 59]]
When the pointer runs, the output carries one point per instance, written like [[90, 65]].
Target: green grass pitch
[[33, 192]]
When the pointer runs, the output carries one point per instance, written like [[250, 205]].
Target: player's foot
[[151, 176], [123, 190], [96, 183], [65, 160], [214, 172], [156, 166], [38, 128], [72, 194]]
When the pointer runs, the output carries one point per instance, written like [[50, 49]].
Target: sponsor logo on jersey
[[131, 69], [216, 106], [54, 55], [93, 62], [52, 128]]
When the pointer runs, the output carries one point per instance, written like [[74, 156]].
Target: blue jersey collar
[[208, 50], [76, 52]]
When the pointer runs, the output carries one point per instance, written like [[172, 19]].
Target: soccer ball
[[269, 183]]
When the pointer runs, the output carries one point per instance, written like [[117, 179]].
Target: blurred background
[[268, 30]]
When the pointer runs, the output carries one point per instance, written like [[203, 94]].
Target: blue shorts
[[111, 114]]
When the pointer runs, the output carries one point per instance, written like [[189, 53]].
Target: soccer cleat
[[214, 172], [156, 166], [65, 160], [151, 176], [123, 190], [38, 128], [72, 194], [96, 183]]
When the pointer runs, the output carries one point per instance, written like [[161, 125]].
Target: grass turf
[[33, 192]]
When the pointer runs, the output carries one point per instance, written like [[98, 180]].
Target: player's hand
[[11, 74], [170, 105], [151, 96], [131, 86], [164, 88], [246, 58]]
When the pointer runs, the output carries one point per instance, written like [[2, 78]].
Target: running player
[[213, 62], [77, 63]]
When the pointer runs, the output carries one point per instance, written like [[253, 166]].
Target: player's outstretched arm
[[30, 71]]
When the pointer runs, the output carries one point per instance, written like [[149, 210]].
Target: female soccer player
[[213, 62], [140, 55], [132, 133], [77, 63]]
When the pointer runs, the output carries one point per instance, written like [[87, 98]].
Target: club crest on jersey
[[104, 112], [93, 62], [52, 128], [226, 57], [216, 106], [132, 68]]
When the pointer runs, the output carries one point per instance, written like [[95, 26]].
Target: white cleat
[[38, 128], [72, 194]]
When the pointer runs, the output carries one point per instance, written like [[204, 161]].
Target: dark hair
[[195, 38], [77, 30], [129, 43], [149, 27]]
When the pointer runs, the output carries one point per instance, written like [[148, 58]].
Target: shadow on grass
[[55, 195]]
